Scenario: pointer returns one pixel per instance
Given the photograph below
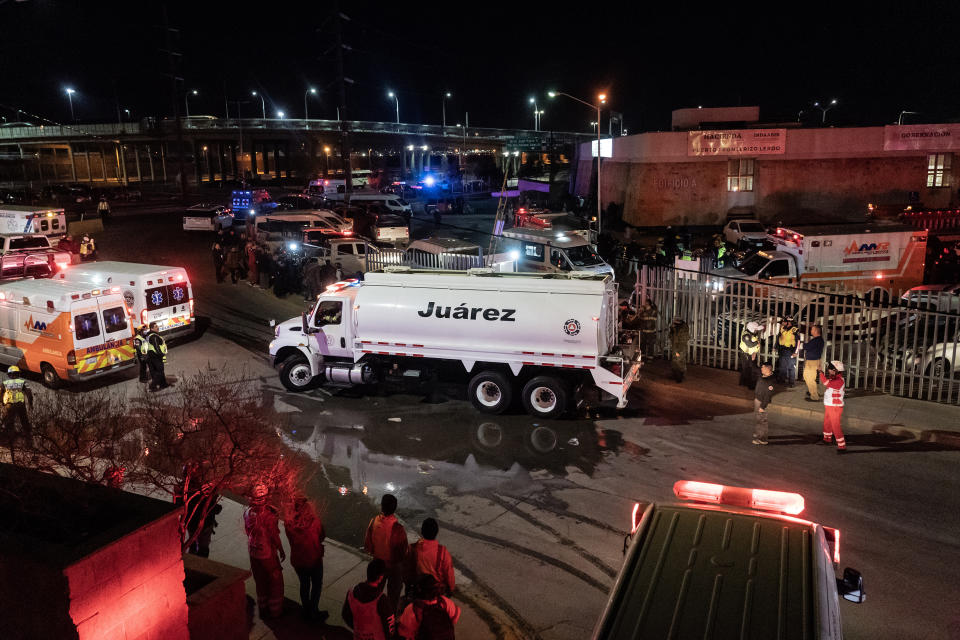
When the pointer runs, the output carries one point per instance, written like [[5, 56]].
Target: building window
[[938, 169], [740, 174]]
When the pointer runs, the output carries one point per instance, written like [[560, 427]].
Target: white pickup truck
[[35, 245]]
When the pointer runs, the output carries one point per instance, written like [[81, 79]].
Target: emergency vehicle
[[64, 330], [28, 220], [550, 339], [554, 251], [152, 293], [855, 257], [731, 562]]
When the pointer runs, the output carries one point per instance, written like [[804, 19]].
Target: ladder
[[501, 218]]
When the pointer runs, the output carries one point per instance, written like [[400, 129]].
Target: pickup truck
[[34, 244], [351, 253]]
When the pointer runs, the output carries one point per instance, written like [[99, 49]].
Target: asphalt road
[[535, 513]]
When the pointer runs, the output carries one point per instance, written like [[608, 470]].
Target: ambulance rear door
[[88, 336]]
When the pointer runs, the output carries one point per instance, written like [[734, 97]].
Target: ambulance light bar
[[759, 499]]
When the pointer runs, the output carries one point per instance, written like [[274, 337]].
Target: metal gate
[[901, 346]]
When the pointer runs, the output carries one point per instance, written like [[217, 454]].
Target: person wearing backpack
[[262, 526], [431, 616], [366, 609], [386, 539], [429, 557]]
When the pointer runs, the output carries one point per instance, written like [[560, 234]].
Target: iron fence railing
[[906, 345]]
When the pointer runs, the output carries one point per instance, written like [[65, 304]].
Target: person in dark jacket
[[366, 608], [306, 535], [812, 360], [218, 259], [762, 395]]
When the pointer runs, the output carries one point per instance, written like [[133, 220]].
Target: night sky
[[651, 58]]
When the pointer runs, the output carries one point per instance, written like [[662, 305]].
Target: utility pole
[[174, 92], [343, 117]]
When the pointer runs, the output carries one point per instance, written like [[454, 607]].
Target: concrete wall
[[131, 589]]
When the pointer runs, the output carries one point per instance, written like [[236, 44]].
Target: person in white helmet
[[833, 405], [749, 348]]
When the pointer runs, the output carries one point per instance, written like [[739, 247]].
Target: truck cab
[[556, 251], [777, 267], [730, 562]]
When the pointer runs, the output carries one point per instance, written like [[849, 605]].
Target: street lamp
[[186, 100], [326, 160], [536, 114], [823, 110], [70, 93], [391, 94], [280, 114], [263, 105], [306, 114], [594, 125], [443, 105], [127, 111], [903, 113], [601, 100]]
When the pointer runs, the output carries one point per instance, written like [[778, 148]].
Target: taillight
[[835, 543], [191, 306], [633, 518], [143, 317], [71, 357]]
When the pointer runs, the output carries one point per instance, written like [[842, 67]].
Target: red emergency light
[[634, 523], [759, 499]]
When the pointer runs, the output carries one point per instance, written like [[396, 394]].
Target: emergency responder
[[104, 210], [749, 348], [261, 524], [16, 395], [366, 608], [139, 339], [833, 405], [88, 248], [787, 347], [155, 350], [679, 339], [762, 394], [431, 615], [305, 534], [429, 557], [386, 539], [648, 328]]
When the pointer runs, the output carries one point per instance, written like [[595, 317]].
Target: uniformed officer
[[138, 341], [16, 394], [155, 350], [749, 348], [648, 328]]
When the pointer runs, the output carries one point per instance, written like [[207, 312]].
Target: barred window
[[740, 174], [938, 169]]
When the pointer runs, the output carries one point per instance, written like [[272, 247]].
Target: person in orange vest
[[366, 609], [261, 524], [386, 539], [305, 534], [431, 615], [429, 557], [833, 405]]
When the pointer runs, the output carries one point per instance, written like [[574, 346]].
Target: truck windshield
[[752, 265], [583, 256], [36, 242]]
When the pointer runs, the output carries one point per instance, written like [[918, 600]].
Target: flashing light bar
[[759, 499], [634, 523], [836, 542]]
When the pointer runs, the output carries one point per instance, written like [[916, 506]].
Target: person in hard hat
[[88, 248], [154, 348], [16, 396], [787, 347], [833, 405], [749, 348], [138, 342], [261, 523], [679, 339]]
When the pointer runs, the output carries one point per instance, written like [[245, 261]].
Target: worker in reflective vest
[[833, 405], [138, 342], [749, 348], [155, 350], [787, 353], [16, 395]]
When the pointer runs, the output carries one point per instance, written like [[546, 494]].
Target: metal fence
[[905, 346]]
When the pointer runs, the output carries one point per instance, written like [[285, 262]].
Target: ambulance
[[50, 222], [64, 331], [152, 293]]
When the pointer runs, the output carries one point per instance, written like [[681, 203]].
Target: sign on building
[[921, 137], [737, 142], [606, 148]]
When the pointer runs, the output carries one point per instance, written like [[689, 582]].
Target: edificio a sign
[[921, 137], [737, 142]]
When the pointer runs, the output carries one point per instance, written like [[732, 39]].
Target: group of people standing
[[423, 572]]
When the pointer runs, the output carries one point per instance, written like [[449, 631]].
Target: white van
[[390, 201], [552, 250], [152, 293], [64, 330], [25, 220]]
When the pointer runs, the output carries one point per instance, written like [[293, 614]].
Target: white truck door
[[329, 327]]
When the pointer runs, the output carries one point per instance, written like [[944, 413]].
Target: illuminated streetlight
[[536, 114], [823, 110], [70, 93], [280, 114], [443, 104], [186, 100], [263, 105], [391, 94], [306, 114]]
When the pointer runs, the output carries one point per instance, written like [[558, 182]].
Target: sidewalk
[[864, 411]]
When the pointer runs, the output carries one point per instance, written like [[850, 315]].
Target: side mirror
[[304, 324], [850, 586], [273, 322]]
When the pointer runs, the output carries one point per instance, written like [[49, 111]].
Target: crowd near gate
[[901, 345]]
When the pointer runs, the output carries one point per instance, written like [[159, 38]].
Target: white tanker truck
[[552, 338]]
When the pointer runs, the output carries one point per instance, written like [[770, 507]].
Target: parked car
[[207, 217], [940, 297], [296, 202], [745, 233], [927, 344]]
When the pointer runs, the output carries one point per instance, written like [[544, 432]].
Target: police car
[[731, 562]]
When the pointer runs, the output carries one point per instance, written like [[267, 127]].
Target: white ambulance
[[153, 293], [26, 220], [63, 330]]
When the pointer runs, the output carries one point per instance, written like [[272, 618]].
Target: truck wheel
[[490, 392], [295, 373], [545, 397], [50, 378]]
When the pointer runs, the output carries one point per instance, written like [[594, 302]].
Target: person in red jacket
[[366, 609], [261, 524], [386, 539], [833, 405], [305, 534], [429, 557]]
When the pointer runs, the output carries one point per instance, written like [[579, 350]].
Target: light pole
[[823, 110], [601, 100], [391, 94], [326, 160], [536, 114], [186, 101], [443, 106], [263, 105], [540, 120], [70, 93], [306, 114], [903, 113], [280, 114]]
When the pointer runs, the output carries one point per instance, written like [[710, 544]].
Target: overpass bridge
[[219, 149]]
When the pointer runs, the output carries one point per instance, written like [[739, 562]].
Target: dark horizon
[[649, 61]]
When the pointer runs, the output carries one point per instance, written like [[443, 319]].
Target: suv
[[745, 233], [732, 563]]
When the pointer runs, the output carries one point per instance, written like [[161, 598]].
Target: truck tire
[[50, 378], [545, 397], [295, 373], [490, 392]]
